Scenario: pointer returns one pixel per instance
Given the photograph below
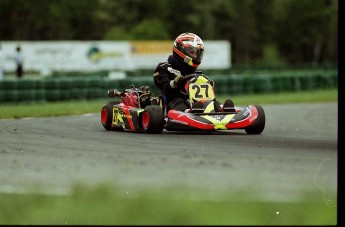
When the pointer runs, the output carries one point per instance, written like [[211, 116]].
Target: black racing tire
[[107, 116], [152, 119], [258, 126]]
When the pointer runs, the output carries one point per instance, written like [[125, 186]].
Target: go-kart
[[139, 110]]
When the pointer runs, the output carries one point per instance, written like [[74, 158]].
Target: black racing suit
[[164, 73]]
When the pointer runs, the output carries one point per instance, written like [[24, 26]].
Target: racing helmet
[[190, 48]]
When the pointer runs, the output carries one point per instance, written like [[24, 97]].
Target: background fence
[[92, 87]]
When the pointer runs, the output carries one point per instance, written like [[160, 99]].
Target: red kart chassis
[[138, 111]]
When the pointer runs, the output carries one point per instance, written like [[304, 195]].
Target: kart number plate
[[201, 92]]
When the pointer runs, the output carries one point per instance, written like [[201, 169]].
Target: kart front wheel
[[152, 119], [258, 126], [107, 116]]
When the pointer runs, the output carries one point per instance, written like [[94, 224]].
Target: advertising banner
[[88, 56]]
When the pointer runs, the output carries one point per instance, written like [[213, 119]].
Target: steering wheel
[[184, 80]]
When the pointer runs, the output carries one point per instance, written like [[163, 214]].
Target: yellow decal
[[209, 108], [150, 47], [117, 116], [190, 62], [219, 124], [201, 91], [228, 118]]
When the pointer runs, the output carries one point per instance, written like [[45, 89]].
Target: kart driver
[[187, 54], [188, 51]]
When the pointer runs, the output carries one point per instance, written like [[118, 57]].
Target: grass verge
[[76, 107], [107, 205]]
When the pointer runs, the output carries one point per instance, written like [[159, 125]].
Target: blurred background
[[118, 37]]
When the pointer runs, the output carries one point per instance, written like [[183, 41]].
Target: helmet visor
[[196, 53]]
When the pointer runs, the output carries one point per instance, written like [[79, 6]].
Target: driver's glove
[[176, 82]]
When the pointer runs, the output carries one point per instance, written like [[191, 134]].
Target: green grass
[[76, 107], [107, 205], [330, 95]]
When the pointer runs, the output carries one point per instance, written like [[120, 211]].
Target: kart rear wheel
[[107, 116], [258, 126], [152, 119]]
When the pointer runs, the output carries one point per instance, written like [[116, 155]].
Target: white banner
[[87, 56]]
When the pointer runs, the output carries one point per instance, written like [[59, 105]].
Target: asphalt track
[[297, 152]]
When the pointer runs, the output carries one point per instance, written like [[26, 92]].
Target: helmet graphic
[[190, 48]]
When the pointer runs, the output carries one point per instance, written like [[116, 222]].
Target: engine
[[135, 97], [130, 99]]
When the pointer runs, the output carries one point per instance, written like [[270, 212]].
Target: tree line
[[268, 32]]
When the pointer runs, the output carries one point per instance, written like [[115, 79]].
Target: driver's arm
[[162, 79]]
